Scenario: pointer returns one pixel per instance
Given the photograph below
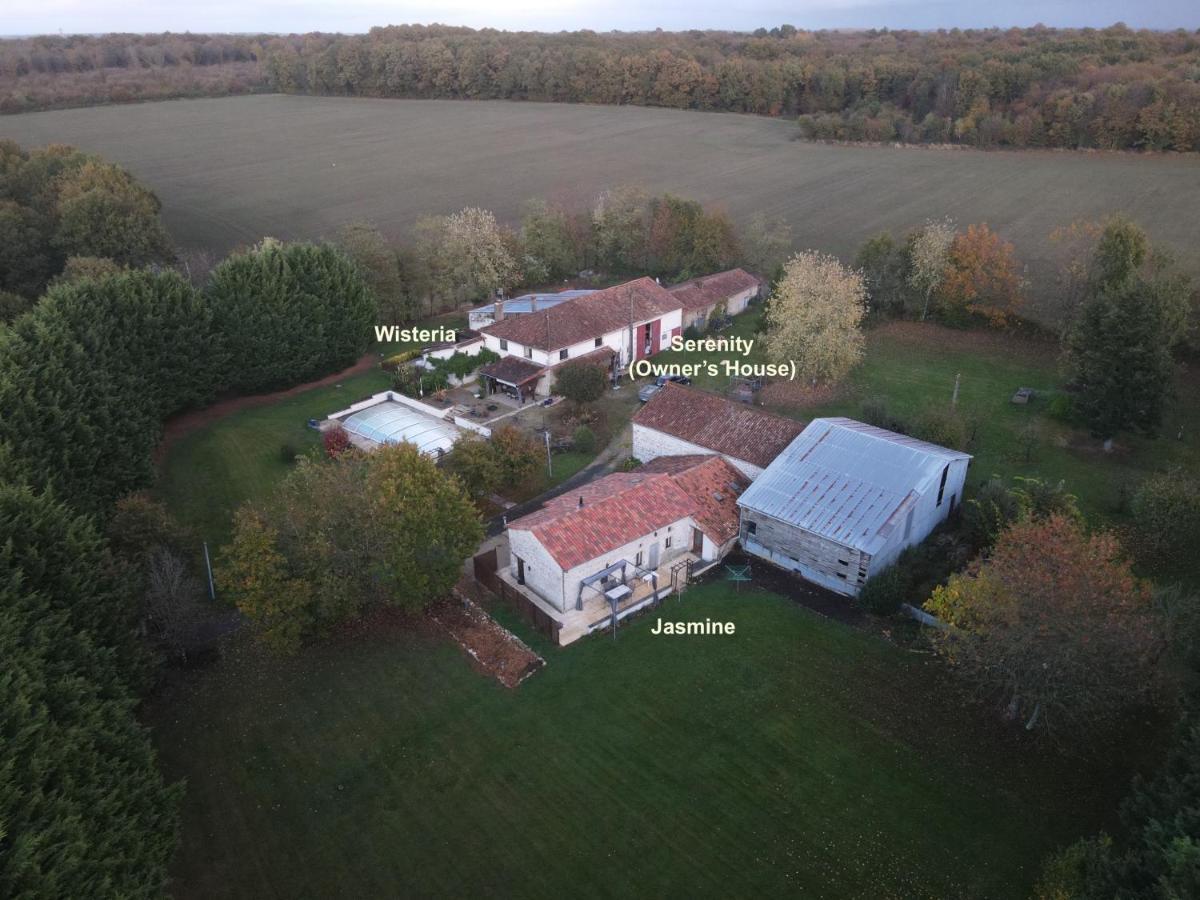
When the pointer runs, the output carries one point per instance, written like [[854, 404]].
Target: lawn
[[211, 472], [797, 757], [913, 366], [231, 170]]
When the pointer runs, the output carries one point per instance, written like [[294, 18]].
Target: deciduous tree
[[928, 255], [981, 278], [814, 317], [1054, 625]]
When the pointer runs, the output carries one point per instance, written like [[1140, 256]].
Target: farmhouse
[[622, 542], [843, 499], [613, 327], [682, 420], [519, 306], [728, 292]]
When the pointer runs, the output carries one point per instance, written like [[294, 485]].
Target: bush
[[1061, 408], [584, 440], [288, 454], [691, 333], [336, 441], [1166, 521], [394, 362], [883, 594], [875, 412], [943, 427], [629, 464], [581, 382]]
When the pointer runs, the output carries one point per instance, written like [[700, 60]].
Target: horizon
[[27, 18]]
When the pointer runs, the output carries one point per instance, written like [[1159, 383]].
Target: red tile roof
[[717, 424], [589, 317], [512, 370], [709, 290], [625, 506]]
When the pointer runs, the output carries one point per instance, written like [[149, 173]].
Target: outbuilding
[[842, 501]]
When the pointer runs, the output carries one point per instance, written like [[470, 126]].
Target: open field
[[797, 757], [234, 169]]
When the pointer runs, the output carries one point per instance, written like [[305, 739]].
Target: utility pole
[[212, 591], [954, 398], [549, 464]]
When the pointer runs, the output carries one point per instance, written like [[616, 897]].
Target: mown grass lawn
[[797, 757], [211, 472]]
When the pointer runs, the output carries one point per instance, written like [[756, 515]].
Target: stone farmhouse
[[681, 420], [728, 292]]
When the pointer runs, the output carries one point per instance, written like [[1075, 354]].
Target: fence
[[486, 568]]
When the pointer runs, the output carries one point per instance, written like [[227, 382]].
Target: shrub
[[1061, 408], [875, 411], [629, 464], [943, 427], [584, 440], [883, 594], [691, 333], [336, 441], [1166, 521], [394, 362], [581, 382], [288, 454]]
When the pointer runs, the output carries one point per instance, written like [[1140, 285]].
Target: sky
[[94, 16]]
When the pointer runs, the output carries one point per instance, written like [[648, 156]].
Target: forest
[[1112, 89]]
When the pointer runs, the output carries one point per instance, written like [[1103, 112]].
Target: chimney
[[581, 501], [498, 310]]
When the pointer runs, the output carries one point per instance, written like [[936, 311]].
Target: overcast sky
[[90, 16]]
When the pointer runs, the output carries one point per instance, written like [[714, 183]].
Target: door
[[653, 556], [520, 570], [697, 541]]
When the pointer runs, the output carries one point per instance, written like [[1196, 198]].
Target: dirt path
[[181, 426]]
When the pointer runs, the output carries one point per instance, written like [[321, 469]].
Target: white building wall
[[681, 541], [927, 515], [650, 443], [543, 575]]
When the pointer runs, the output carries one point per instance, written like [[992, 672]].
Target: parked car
[[655, 386]]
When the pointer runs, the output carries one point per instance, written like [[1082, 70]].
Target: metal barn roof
[[847, 481], [526, 303], [393, 423]]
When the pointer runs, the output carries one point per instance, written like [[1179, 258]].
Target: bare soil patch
[[493, 650], [799, 395]]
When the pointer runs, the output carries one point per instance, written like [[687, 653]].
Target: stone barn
[[845, 498]]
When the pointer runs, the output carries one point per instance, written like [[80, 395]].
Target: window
[[752, 528], [667, 542], [529, 353], [908, 522], [503, 345], [637, 560], [562, 354], [942, 486], [599, 342]]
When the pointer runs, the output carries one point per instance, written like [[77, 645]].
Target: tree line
[[1111, 88], [93, 576]]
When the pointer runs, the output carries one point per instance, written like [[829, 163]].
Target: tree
[[102, 211], [997, 505], [81, 801], [766, 243], [518, 453], [477, 466], [1053, 624], [581, 382], [621, 223], [883, 264], [1166, 522], [1157, 855], [341, 537], [981, 277], [25, 259], [550, 242], [1120, 348], [814, 317], [12, 306], [288, 313], [335, 440], [479, 259], [378, 264], [928, 255]]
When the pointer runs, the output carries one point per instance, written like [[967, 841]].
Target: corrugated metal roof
[[526, 303], [847, 481]]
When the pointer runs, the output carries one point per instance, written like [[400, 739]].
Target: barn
[[841, 502]]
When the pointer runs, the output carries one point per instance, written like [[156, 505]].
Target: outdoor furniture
[[1023, 395], [618, 593]]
